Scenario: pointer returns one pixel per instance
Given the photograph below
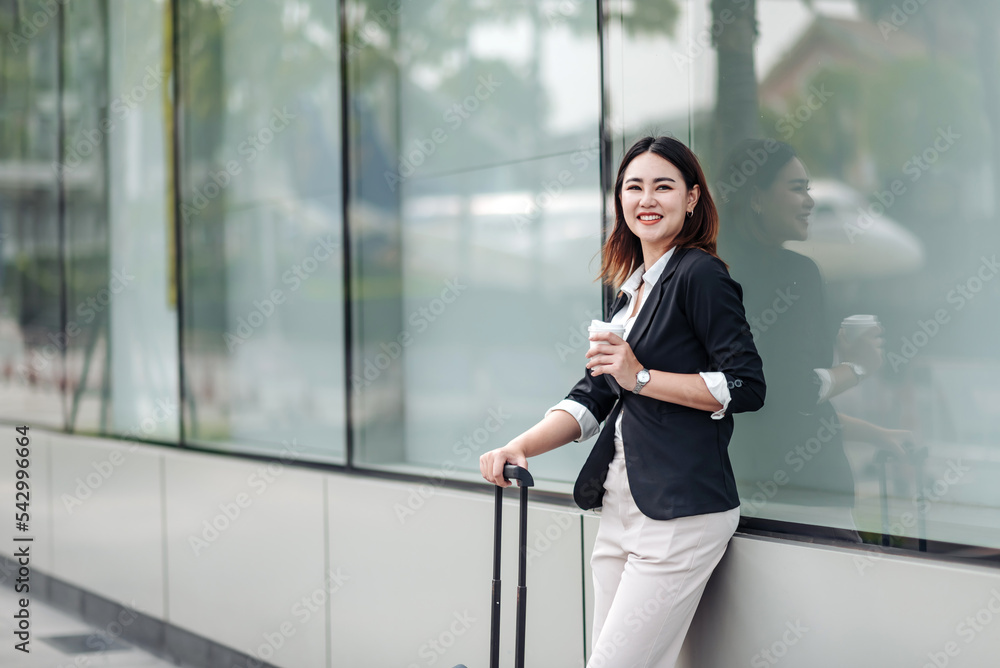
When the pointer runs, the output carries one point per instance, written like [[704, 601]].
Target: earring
[[690, 213]]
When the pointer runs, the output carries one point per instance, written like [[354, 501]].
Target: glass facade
[[476, 193], [261, 221], [366, 233], [31, 335]]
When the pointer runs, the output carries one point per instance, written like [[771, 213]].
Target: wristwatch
[[858, 370], [641, 379]]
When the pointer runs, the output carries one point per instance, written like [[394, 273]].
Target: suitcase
[[524, 481]]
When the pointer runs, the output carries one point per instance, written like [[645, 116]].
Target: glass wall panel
[[84, 171], [866, 252], [649, 66], [116, 263], [32, 343], [261, 219], [476, 221], [141, 270], [853, 147]]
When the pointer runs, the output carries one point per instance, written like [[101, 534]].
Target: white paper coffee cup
[[601, 326], [856, 325]]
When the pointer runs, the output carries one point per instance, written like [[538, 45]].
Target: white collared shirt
[[715, 380]]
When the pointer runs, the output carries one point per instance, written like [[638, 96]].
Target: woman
[[666, 393], [792, 452]]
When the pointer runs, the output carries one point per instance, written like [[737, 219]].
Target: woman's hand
[[615, 357], [894, 440], [491, 463]]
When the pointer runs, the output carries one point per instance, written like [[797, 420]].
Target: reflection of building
[[293, 441], [833, 42]]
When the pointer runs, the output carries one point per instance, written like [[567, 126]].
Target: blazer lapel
[[653, 300]]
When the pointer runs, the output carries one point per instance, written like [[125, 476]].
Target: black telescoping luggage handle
[[514, 472], [524, 481]]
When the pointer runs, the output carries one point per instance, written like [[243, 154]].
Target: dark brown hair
[[622, 251], [752, 166]]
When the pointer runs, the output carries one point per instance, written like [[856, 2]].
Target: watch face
[[643, 376]]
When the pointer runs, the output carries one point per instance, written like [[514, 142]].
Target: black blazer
[[676, 457]]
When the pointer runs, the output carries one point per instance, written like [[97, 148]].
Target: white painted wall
[[385, 588]]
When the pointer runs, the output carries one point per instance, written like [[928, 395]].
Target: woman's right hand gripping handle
[[491, 463], [554, 430]]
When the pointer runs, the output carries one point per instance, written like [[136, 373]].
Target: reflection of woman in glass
[[666, 393], [792, 451]]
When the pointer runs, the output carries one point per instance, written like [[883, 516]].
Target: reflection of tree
[[736, 93], [201, 104], [898, 79], [986, 18], [978, 18], [831, 140], [876, 119], [435, 47], [910, 101], [880, 115]]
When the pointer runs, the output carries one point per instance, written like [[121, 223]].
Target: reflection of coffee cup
[[856, 325], [601, 326]]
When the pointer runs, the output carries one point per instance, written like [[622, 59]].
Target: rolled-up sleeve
[[717, 385], [713, 304], [825, 384], [588, 423]]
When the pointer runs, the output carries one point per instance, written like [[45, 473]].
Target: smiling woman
[[659, 470], [662, 178], [656, 201]]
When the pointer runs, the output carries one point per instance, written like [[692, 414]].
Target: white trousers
[[649, 576]]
